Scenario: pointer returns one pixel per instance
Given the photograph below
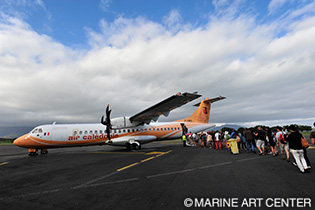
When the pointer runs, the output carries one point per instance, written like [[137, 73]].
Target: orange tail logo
[[201, 115]]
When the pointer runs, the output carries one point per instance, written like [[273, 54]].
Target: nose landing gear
[[33, 152]]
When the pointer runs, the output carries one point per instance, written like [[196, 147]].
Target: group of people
[[266, 141], [210, 139], [285, 142]]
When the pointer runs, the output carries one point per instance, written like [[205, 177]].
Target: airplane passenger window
[[80, 132], [157, 129], [124, 131], [133, 130], [101, 131], [153, 129], [171, 128], [95, 131], [75, 132], [145, 129], [128, 131], [149, 129], [165, 129], [91, 132], [119, 131], [85, 132]]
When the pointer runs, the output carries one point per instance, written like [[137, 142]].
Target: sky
[[64, 61]]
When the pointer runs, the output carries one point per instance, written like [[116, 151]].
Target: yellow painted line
[[145, 160], [150, 158], [3, 163], [168, 151], [127, 166], [163, 153], [154, 153]]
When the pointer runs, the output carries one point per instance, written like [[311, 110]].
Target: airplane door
[[184, 128]]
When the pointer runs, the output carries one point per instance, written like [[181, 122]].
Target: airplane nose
[[19, 141]]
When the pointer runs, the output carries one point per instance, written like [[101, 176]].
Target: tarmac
[[162, 175]]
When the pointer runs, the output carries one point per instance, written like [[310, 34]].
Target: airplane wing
[[164, 107]]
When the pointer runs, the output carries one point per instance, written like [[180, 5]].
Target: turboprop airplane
[[130, 132]]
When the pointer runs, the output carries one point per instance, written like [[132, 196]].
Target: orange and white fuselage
[[69, 135]]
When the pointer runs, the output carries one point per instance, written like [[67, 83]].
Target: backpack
[[283, 138]]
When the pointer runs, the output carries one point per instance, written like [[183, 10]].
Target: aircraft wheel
[[32, 154], [136, 146], [128, 146]]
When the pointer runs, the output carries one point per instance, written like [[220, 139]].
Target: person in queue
[[295, 145], [261, 136]]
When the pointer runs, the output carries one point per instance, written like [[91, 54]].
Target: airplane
[[130, 132]]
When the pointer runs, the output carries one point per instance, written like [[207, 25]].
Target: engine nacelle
[[122, 122]]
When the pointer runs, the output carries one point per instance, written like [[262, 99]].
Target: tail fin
[[202, 114]]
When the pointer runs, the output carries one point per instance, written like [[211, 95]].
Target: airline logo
[[91, 137], [205, 111]]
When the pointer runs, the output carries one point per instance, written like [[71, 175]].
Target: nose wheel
[[33, 152]]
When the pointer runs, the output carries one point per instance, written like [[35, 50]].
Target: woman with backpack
[[282, 144]]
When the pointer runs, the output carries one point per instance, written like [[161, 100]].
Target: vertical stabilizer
[[202, 114]]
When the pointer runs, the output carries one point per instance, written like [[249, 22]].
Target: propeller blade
[[102, 120], [108, 133], [107, 122]]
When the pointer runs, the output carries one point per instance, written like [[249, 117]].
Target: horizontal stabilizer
[[212, 100]]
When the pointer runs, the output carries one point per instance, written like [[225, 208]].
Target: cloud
[[173, 18], [274, 5], [105, 4], [134, 63], [23, 9]]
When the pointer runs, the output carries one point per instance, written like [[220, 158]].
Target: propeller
[[107, 122]]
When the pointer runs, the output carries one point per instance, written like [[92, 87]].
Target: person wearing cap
[[295, 145]]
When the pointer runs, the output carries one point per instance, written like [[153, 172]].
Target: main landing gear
[[133, 145], [33, 152]]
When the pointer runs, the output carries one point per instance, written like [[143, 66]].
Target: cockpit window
[[35, 130], [40, 130]]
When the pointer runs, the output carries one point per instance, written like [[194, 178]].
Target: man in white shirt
[[217, 140]]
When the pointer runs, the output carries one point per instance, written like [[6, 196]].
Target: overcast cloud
[[266, 71]]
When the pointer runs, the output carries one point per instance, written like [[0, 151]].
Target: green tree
[[240, 130]]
